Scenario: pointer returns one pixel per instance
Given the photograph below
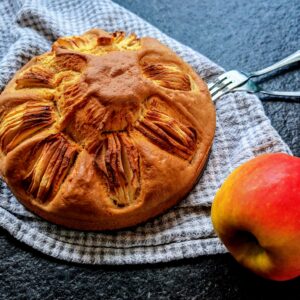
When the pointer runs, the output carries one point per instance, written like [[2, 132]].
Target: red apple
[[256, 213]]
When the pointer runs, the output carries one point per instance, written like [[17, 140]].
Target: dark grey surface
[[236, 34]]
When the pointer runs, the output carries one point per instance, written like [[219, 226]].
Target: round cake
[[105, 131]]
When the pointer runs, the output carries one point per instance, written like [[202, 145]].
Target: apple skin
[[256, 214]]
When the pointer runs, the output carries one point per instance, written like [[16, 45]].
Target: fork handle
[[295, 57], [281, 93]]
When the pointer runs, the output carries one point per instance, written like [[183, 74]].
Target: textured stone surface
[[236, 34]]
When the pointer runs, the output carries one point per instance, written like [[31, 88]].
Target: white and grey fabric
[[28, 28]]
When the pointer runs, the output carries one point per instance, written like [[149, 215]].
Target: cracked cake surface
[[105, 131]]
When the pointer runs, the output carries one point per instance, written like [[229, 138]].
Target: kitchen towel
[[27, 28]]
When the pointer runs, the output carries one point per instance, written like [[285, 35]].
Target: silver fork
[[235, 80]]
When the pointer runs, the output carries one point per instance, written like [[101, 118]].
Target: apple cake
[[104, 131]]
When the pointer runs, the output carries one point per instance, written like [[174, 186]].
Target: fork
[[235, 80]]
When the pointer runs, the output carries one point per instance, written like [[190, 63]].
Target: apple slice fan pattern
[[100, 120]]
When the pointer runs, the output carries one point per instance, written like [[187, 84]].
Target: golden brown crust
[[105, 131]]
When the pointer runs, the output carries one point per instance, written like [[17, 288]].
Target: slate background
[[236, 34]]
